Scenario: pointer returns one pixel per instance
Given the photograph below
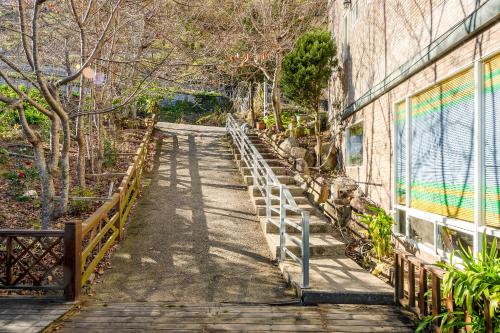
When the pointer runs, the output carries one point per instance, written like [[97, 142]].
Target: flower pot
[[260, 126]]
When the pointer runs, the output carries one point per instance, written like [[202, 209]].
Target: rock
[[31, 194], [361, 205], [321, 190], [341, 213], [303, 153], [302, 166], [287, 145]]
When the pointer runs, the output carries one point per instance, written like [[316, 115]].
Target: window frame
[[346, 152], [477, 228]]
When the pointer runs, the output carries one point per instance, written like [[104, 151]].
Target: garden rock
[[287, 145], [298, 152], [361, 205], [302, 167], [30, 194]]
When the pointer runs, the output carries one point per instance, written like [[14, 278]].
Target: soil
[[19, 213]]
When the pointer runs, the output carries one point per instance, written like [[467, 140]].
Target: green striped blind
[[401, 153], [492, 141], [442, 164]]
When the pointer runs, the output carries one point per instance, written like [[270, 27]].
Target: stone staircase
[[334, 278]]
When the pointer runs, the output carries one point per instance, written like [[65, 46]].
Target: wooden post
[[72, 260], [422, 290], [411, 284], [436, 299], [8, 261], [396, 278], [402, 277], [121, 220]]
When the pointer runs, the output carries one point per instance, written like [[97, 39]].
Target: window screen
[[401, 153], [492, 141], [442, 165]]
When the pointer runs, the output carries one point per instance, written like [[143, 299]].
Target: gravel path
[[194, 236]]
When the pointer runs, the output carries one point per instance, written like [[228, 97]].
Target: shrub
[[110, 153], [4, 155], [476, 287], [380, 231], [21, 180], [81, 206]]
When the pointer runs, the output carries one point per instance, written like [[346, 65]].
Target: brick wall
[[385, 36]]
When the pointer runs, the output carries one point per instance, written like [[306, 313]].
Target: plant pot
[[260, 126]]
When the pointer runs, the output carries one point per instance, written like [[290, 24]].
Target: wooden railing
[[65, 259], [417, 287]]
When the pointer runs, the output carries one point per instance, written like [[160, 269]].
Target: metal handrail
[[266, 180]]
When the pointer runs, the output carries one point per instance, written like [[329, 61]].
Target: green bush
[[286, 119], [21, 180], [475, 286], [4, 155], [110, 153], [380, 230], [81, 206]]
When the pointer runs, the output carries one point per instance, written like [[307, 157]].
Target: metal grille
[[442, 164], [492, 141], [401, 153]]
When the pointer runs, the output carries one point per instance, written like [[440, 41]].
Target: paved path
[[194, 258]]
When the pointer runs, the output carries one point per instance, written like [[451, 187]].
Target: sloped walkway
[[194, 258], [194, 236]]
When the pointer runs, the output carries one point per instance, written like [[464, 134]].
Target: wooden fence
[[414, 279], [65, 259]]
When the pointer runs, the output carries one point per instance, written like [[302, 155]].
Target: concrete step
[[259, 201], [271, 162], [245, 171], [317, 225], [261, 210], [294, 190], [320, 245], [265, 156], [283, 179], [338, 280]]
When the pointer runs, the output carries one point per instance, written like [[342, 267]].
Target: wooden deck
[[148, 317], [27, 315]]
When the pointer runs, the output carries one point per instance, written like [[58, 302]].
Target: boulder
[[303, 153], [321, 190], [287, 145], [361, 205], [302, 166], [30, 194]]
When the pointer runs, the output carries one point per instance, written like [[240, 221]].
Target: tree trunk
[[252, 108], [46, 179], [80, 139], [317, 131], [64, 175], [100, 143], [276, 95]]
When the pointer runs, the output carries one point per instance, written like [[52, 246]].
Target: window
[[447, 161], [355, 145]]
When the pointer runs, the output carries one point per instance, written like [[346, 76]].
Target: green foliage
[[21, 179], [110, 153], [4, 155], [308, 67], [81, 206], [286, 118], [476, 281], [9, 118], [380, 230]]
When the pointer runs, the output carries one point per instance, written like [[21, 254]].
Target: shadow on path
[[194, 237]]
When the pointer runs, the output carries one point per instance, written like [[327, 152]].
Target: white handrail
[[266, 180]]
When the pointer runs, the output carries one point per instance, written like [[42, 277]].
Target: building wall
[[386, 35]]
